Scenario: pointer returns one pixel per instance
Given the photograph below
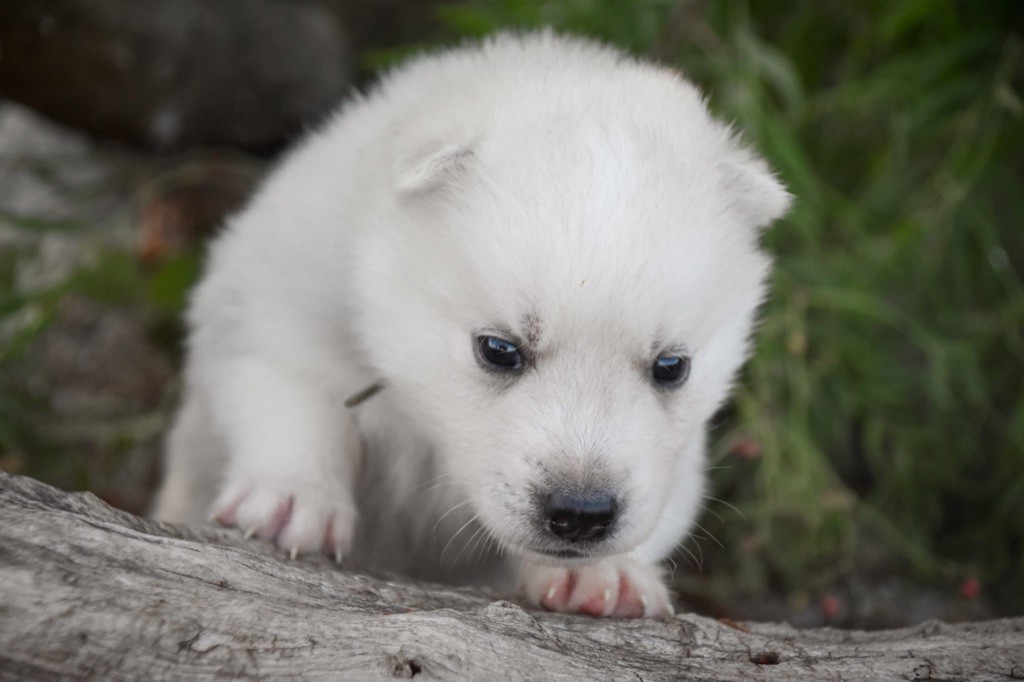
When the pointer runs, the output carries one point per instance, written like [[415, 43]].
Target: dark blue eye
[[499, 354], [670, 370]]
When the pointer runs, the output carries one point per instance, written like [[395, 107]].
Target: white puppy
[[545, 253]]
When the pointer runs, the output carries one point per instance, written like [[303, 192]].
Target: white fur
[[539, 186]]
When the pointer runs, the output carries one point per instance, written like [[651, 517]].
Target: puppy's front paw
[[613, 587], [298, 516]]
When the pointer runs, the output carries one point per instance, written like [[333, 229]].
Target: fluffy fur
[[539, 188]]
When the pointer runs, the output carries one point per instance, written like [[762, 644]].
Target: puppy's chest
[[415, 518]]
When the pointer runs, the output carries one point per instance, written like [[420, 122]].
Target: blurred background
[[870, 470]]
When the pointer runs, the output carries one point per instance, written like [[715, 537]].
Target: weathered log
[[87, 591]]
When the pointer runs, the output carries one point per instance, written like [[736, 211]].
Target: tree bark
[[90, 592]]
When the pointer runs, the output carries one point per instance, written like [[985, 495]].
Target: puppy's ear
[[757, 195], [430, 167]]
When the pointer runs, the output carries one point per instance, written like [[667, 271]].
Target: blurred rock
[[50, 175], [61, 198], [168, 74], [102, 392], [90, 390], [94, 362], [384, 24]]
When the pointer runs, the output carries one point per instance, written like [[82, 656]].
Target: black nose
[[580, 518]]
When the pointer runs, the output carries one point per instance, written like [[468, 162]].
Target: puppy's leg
[[292, 457], [616, 586], [192, 465]]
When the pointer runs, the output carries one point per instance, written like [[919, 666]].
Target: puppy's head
[[562, 300]]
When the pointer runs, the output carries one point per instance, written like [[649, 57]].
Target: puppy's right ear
[[757, 193], [431, 167]]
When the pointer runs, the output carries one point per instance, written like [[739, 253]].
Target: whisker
[[507, 544], [467, 542], [442, 481], [696, 563], [502, 544], [452, 538], [711, 511], [456, 506], [447, 474], [675, 567], [477, 540], [711, 535], [486, 546], [727, 504]]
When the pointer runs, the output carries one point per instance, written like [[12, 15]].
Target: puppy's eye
[[499, 354], [670, 371]]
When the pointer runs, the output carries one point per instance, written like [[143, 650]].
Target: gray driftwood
[[89, 592]]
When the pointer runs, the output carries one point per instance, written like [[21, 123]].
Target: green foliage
[[118, 280], [114, 279], [886, 394], [22, 318]]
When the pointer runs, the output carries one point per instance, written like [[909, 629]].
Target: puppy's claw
[[337, 556], [249, 533], [293, 553]]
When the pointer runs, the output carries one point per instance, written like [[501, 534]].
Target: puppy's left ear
[[431, 166], [757, 195]]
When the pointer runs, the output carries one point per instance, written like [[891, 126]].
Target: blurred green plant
[[125, 253], [886, 394], [114, 279], [23, 316]]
